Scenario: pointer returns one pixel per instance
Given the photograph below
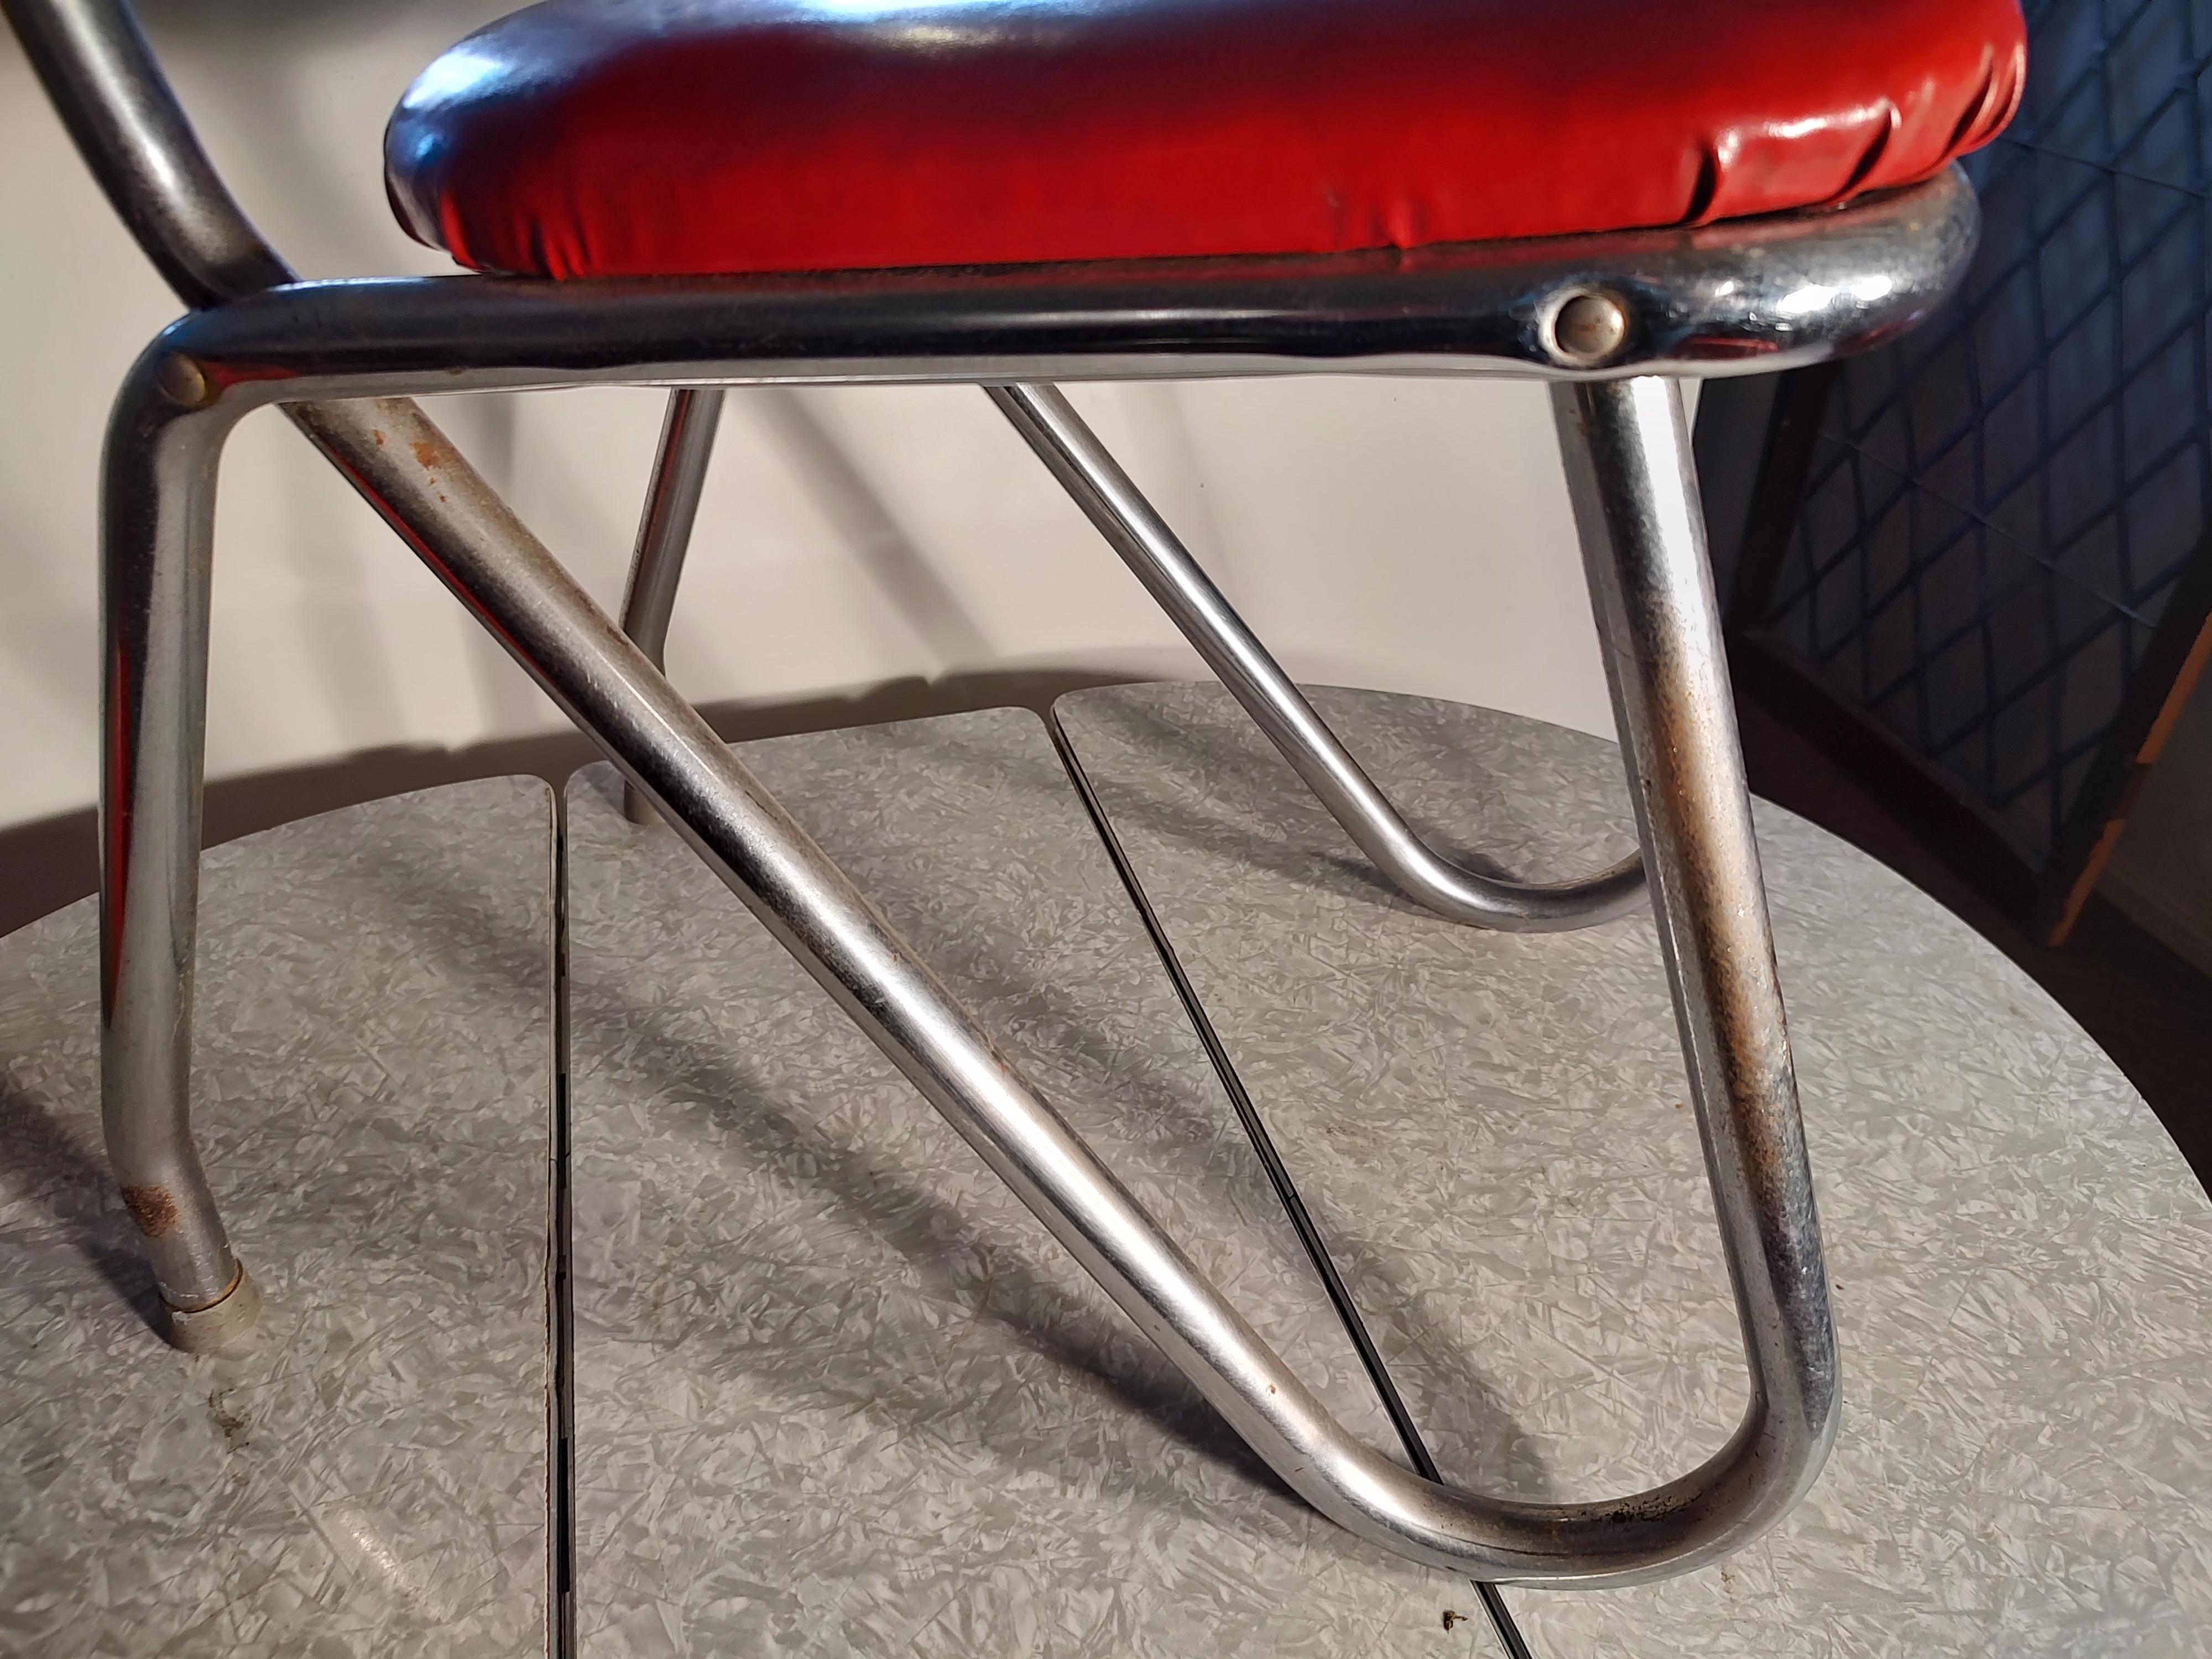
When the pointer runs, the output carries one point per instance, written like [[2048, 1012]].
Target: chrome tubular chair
[[1600, 194]]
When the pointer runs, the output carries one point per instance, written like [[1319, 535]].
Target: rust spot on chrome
[[379, 436], [152, 1209], [429, 455], [233, 1424]]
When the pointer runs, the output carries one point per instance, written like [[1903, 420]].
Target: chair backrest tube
[[93, 61]]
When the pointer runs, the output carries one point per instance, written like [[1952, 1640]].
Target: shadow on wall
[[55, 861], [256, 23], [866, 524]]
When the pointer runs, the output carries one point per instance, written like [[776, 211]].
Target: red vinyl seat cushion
[[637, 137]]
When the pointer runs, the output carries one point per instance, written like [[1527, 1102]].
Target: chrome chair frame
[[343, 358]]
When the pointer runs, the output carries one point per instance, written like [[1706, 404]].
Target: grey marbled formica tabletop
[[837, 1392], [374, 1052], [1490, 1129]]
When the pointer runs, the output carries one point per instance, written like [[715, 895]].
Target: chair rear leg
[[664, 536]]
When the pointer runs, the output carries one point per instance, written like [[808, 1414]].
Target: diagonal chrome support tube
[[1091, 477], [1654, 600], [664, 533]]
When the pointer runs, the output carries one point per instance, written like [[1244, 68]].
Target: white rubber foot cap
[[215, 1327]]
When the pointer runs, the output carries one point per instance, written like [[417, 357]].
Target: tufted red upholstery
[[630, 137]]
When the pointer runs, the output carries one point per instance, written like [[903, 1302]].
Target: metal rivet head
[[1588, 329], [183, 381]]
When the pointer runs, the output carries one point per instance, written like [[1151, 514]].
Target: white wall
[[1405, 534]]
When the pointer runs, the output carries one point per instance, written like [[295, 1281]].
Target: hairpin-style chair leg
[[1636, 510], [1088, 472], [663, 535]]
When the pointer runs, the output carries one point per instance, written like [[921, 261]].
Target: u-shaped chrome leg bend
[[1089, 474]]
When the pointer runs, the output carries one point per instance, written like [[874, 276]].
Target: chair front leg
[[663, 535], [1626, 449], [1096, 482], [154, 653]]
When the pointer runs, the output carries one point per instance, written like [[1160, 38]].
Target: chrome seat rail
[[343, 358]]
